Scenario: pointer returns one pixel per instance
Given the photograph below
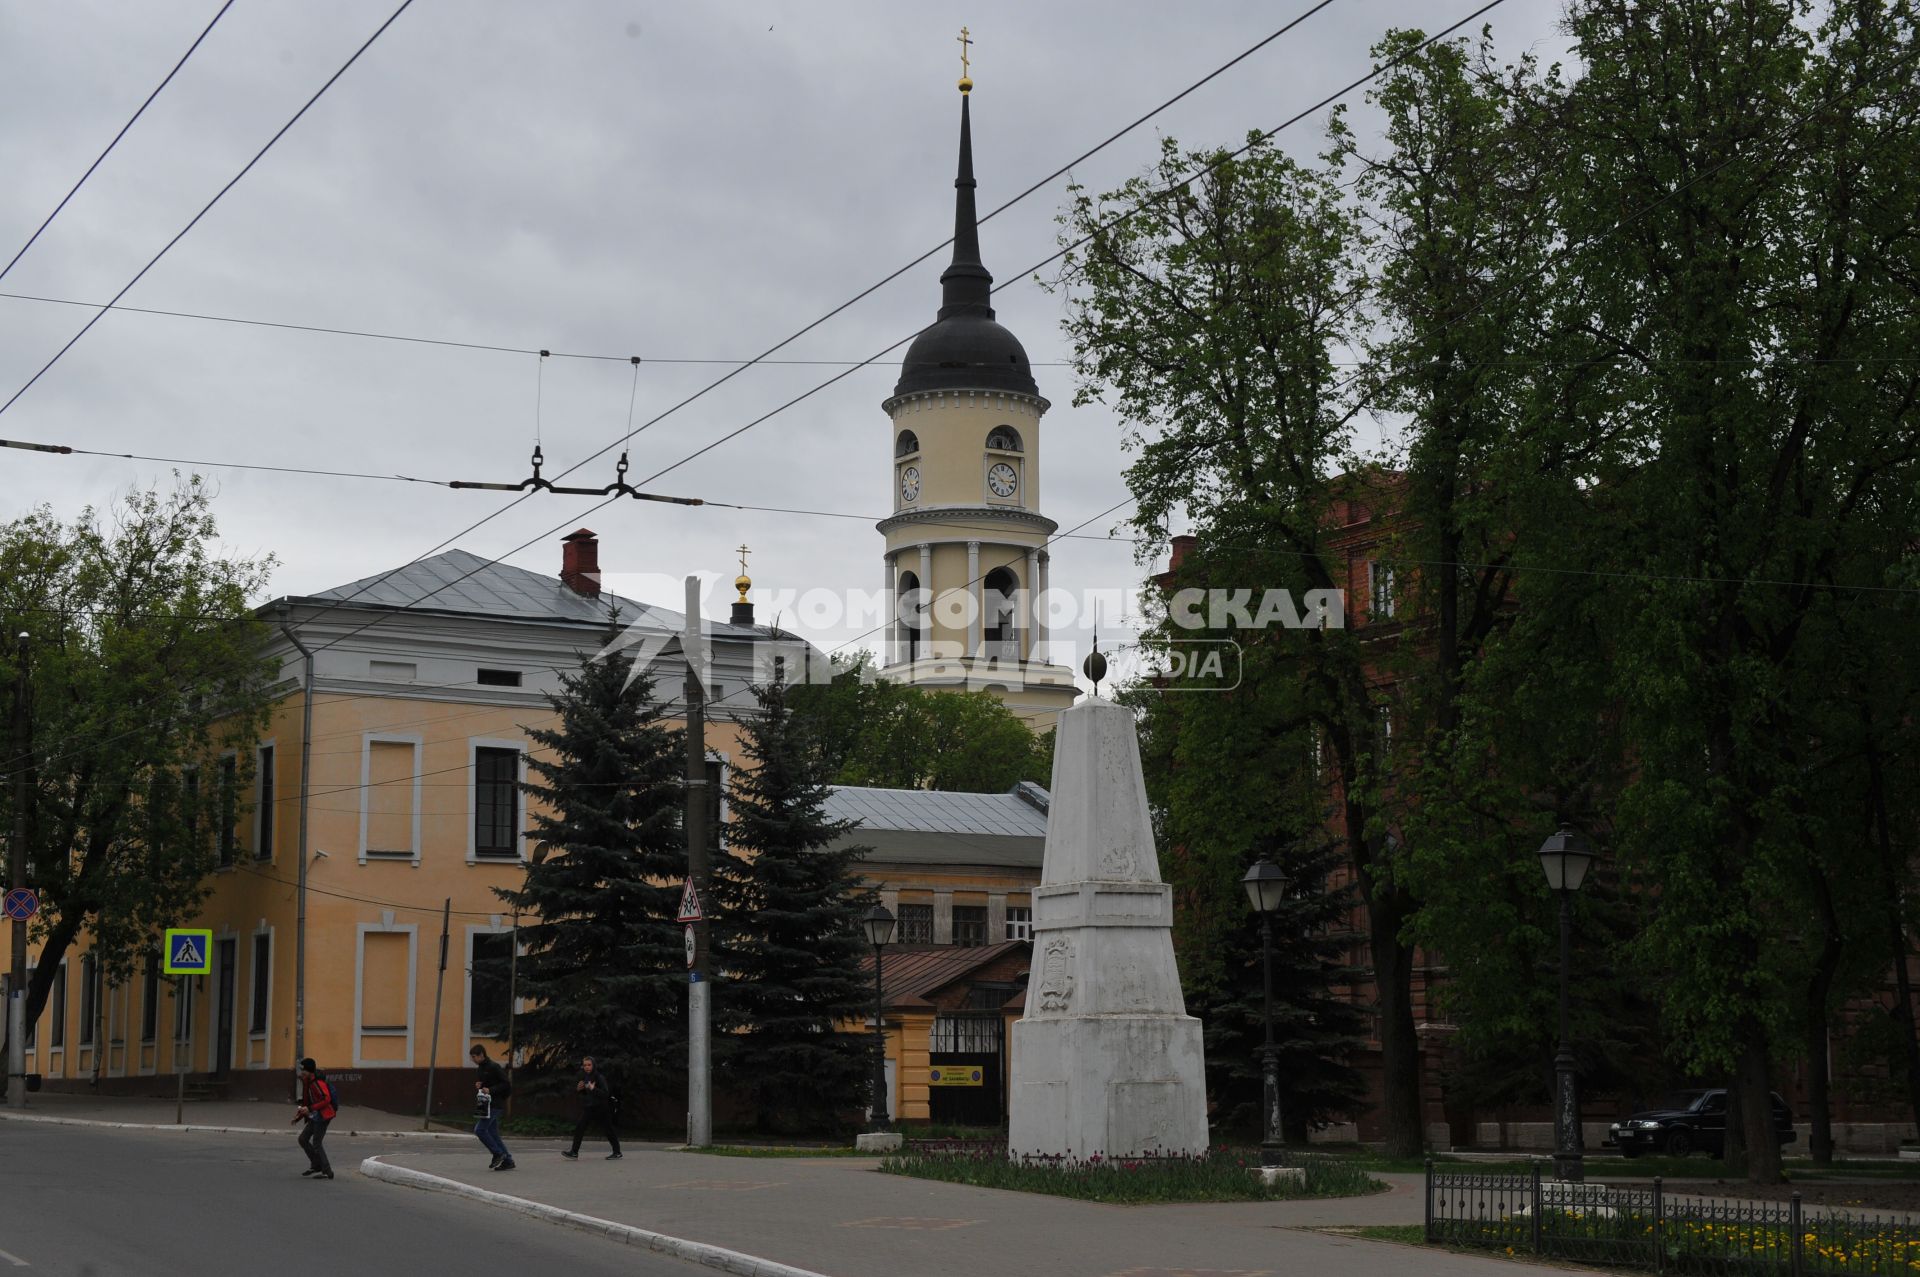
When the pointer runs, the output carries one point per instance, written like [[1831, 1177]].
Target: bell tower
[[966, 557]]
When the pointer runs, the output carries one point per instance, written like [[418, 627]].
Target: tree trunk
[[1388, 907], [1896, 921], [1819, 991], [1753, 1076]]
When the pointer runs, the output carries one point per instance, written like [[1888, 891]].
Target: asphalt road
[[103, 1203]]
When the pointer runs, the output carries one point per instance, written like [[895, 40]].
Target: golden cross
[[964, 42], [743, 560]]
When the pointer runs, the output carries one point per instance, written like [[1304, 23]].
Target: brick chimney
[[1182, 546], [580, 562]]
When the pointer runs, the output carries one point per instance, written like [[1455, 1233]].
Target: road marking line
[[14, 1259]]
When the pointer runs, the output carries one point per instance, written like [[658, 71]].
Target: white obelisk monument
[[1106, 1059]]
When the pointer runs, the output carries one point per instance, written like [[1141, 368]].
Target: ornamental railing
[[1649, 1228]]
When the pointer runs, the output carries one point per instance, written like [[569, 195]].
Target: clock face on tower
[[910, 484], [1002, 480]]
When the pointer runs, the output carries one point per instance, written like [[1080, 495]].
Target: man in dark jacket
[[490, 1091], [597, 1106], [317, 1108]]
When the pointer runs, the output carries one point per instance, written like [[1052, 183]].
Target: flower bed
[[1218, 1175]]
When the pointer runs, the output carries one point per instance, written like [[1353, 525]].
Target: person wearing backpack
[[599, 1105], [317, 1109], [490, 1091]]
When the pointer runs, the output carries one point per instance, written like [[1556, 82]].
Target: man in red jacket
[[316, 1109]]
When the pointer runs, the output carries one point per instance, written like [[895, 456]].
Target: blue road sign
[[22, 903], [189, 952]]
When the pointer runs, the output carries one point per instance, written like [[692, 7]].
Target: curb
[[731, 1261], [287, 1131]]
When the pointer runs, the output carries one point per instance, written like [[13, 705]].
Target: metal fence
[[1648, 1228]]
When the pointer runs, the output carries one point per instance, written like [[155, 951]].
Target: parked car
[[1688, 1120]]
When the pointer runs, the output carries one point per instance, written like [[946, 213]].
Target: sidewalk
[[224, 1116], [841, 1217]]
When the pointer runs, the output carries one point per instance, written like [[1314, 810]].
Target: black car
[[1687, 1121]]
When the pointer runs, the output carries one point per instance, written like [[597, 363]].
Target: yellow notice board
[[956, 1075]]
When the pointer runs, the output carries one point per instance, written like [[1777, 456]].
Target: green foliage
[[895, 736], [145, 668], [1218, 1175], [788, 930], [605, 964]]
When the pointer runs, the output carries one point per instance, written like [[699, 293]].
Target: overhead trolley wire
[[207, 208], [131, 120]]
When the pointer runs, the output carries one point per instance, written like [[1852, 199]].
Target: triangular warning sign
[[690, 904], [187, 954]]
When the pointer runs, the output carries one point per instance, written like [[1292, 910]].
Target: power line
[[116, 141], [208, 207]]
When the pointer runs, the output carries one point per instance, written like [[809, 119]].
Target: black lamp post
[[1566, 856], [1266, 887], [878, 924]]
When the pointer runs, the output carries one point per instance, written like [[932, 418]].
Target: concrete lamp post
[[1266, 887], [1566, 857], [878, 924]]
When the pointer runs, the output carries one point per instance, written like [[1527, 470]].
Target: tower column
[[922, 615], [1039, 610], [890, 618], [978, 609], [1032, 609]]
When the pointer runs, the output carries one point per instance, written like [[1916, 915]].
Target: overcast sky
[[676, 181]]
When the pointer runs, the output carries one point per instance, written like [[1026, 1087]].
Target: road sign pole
[[17, 877]]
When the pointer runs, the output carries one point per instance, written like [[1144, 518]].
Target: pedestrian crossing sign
[[188, 952]]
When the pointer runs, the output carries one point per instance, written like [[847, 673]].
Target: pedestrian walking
[[490, 1090], [599, 1104], [317, 1109]]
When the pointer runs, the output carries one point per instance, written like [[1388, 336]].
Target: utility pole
[[440, 983], [17, 877], [300, 919], [699, 992]]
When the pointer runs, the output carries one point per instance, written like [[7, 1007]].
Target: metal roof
[[1019, 813], [912, 973], [457, 581]]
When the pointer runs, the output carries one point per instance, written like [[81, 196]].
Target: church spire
[[966, 287]]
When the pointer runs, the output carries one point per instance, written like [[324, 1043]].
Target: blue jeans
[[488, 1129]]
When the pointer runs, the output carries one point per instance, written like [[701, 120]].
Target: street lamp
[[1266, 887], [1566, 856], [878, 924]]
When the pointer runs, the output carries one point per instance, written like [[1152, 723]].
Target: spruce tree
[[790, 939], [604, 967]]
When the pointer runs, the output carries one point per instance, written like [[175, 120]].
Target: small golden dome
[[966, 84], [742, 583]]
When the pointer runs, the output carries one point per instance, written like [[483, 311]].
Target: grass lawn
[[1220, 1175], [781, 1150]]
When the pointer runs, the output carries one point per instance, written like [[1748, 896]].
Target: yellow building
[[424, 684], [957, 871], [966, 556]]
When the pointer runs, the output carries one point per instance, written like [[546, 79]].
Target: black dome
[[966, 352]]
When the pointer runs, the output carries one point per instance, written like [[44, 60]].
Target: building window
[[489, 1002], [969, 924], [1019, 922], [264, 810], [59, 1004], [499, 678], [229, 780], [916, 924], [496, 802], [89, 996], [389, 795], [262, 973], [1380, 598], [906, 444], [150, 999]]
